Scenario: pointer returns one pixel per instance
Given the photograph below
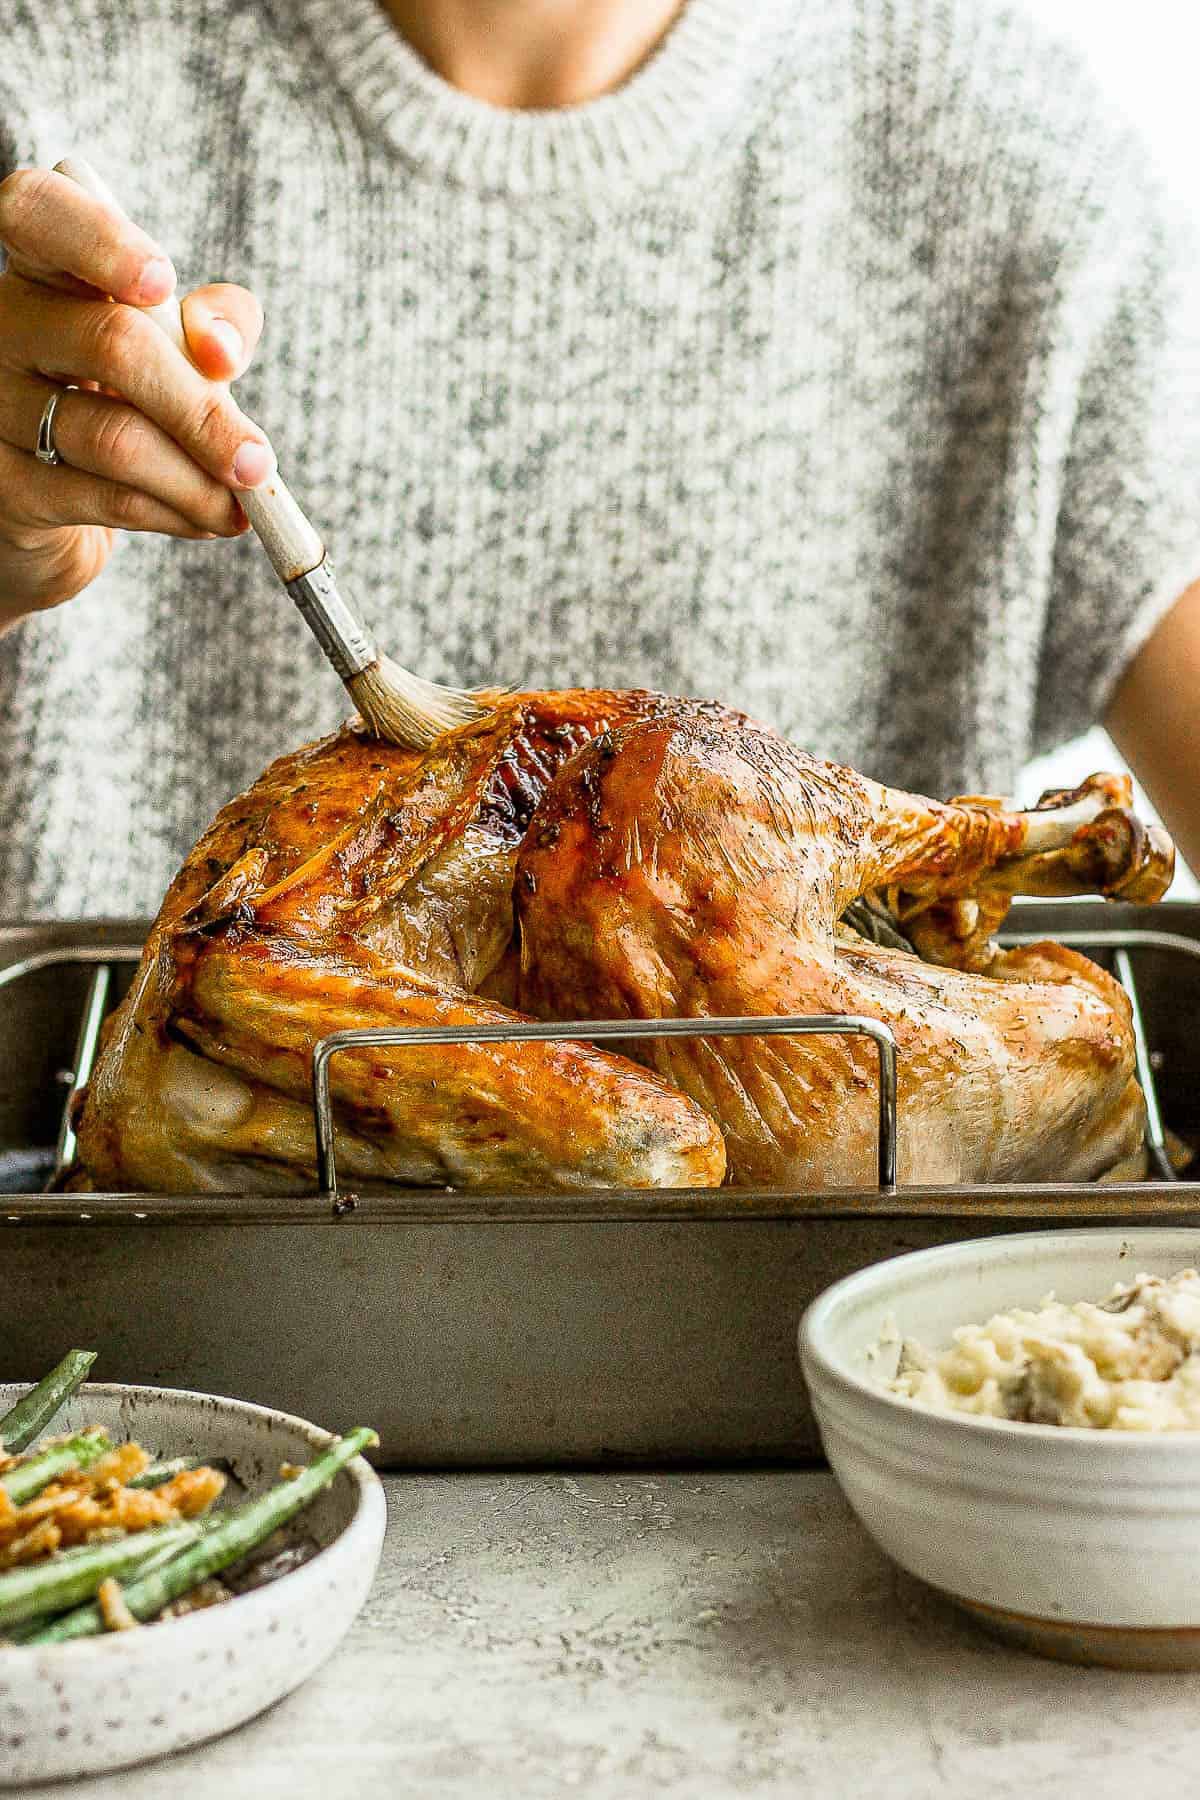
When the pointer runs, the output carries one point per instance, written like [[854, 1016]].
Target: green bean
[[157, 1472], [74, 1575], [30, 1477], [231, 1537], [34, 1411]]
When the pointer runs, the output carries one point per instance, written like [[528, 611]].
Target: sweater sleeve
[[1127, 541]]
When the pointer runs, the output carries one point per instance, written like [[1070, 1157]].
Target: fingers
[[68, 340], [51, 228], [39, 499], [223, 324], [148, 440], [100, 436]]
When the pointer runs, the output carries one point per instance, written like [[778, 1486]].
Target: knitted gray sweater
[[833, 367]]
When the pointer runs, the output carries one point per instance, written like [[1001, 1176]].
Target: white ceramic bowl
[[102, 1703], [1078, 1543]]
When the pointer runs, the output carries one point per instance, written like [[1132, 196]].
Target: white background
[[1146, 54]]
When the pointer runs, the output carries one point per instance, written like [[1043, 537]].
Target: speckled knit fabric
[[833, 366]]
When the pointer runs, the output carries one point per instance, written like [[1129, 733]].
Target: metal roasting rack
[[606, 1030], [105, 960]]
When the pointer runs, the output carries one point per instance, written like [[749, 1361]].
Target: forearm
[[1154, 718]]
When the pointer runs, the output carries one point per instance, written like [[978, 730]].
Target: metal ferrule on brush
[[333, 621]]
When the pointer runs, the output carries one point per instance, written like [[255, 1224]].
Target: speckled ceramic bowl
[[102, 1703], [1080, 1544]]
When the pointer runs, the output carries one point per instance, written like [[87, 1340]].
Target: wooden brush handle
[[289, 538]]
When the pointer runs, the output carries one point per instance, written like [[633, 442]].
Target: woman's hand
[[147, 444]]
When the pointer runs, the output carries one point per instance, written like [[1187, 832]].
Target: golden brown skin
[[358, 884], [665, 857], [678, 869]]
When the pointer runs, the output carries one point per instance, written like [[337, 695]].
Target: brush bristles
[[409, 711]]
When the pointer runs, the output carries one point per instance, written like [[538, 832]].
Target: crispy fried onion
[[89, 1505]]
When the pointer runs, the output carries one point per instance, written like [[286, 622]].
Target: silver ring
[[45, 451]]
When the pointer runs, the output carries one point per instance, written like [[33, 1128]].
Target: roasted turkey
[[619, 855]]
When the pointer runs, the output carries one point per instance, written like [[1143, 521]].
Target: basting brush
[[403, 708]]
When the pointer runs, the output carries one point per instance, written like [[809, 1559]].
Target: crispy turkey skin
[[594, 854]]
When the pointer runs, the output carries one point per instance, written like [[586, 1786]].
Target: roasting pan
[[476, 1329]]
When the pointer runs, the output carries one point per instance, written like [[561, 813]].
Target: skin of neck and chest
[[754, 349], [550, 53]]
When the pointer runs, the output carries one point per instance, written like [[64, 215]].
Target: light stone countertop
[[705, 1633]]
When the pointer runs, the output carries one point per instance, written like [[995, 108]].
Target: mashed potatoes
[[1131, 1362]]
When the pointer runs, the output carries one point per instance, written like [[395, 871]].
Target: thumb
[[223, 324]]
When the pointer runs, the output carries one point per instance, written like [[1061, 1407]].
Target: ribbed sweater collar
[[693, 89]]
